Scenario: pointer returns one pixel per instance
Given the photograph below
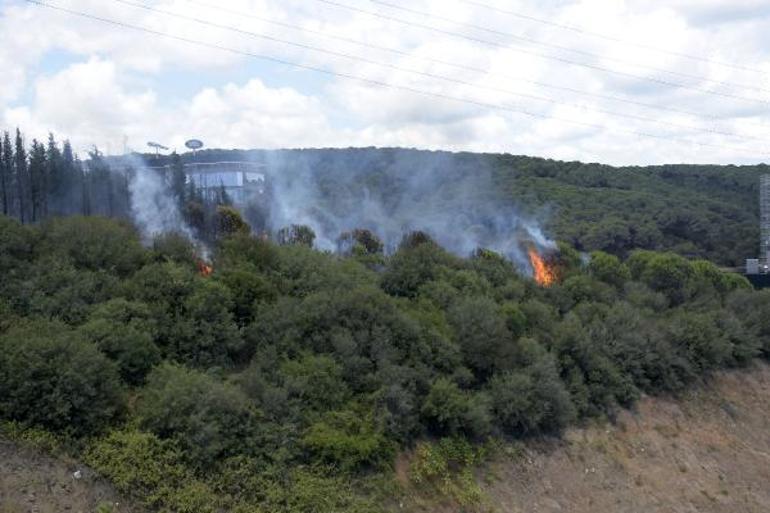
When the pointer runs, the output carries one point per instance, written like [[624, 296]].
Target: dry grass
[[708, 453]]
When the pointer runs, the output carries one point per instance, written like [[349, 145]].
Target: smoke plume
[[153, 208], [452, 197]]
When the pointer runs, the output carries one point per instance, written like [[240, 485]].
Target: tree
[[56, 180], [296, 234], [192, 314], [230, 222], [350, 439], [53, 380], [359, 241], [482, 334], [209, 419], [5, 174], [531, 400], [178, 179], [38, 181], [21, 176], [448, 410], [96, 244], [608, 268], [124, 332]]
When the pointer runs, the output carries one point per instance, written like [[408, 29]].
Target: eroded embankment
[[706, 452]]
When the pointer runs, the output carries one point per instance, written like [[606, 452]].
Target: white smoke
[[453, 198], [153, 208]]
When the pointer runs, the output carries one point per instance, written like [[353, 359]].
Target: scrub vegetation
[[290, 379]]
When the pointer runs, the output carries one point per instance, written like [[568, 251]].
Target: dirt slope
[[33, 483], [709, 452]]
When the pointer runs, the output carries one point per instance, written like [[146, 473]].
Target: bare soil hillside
[[33, 483], [706, 452]]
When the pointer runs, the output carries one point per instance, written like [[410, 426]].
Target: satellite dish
[[194, 144], [156, 146]]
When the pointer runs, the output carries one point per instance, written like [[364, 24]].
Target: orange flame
[[204, 269], [545, 274]]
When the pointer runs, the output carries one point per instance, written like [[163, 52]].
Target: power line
[[378, 83], [427, 74], [464, 67], [562, 48], [613, 39], [571, 62]]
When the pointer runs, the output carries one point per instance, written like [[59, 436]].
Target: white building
[[242, 181]]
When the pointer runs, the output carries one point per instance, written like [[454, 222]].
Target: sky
[[624, 82]]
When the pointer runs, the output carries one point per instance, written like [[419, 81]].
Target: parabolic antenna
[[194, 144]]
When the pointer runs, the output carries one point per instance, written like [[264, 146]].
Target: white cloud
[[113, 88]]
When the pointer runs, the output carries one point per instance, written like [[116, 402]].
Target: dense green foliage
[[694, 210], [699, 211], [289, 379]]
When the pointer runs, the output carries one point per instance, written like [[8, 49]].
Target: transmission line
[[607, 37], [378, 83], [564, 60], [427, 74], [562, 48], [464, 67]]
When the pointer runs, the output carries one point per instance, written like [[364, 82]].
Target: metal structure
[[157, 147], [764, 218], [761, 265]]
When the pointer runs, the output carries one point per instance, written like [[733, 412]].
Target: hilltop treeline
[[289, 379], [46, 179], [42, 181], [699, 211], [708, 212]]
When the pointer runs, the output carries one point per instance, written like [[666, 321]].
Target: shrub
[[482, 334], [174, 247], [143, 466], [210, 420], [51, 379], [451, 411], [129, 345], [349, 439], [93, 243], [530, 400], [191, 314]]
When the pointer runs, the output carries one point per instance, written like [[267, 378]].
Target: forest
[[283, 378], [708, 212]]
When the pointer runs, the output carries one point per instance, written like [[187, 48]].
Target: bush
[[316, 381], [143, 466], [415, 264], [700, 340], [210, 420], [530, 400], [451, 411], [608, 269], [129, 345], [93, 243], [174, 247], [191, 314], [57, 290], [349, 439], [482, 334], [51, 379]]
